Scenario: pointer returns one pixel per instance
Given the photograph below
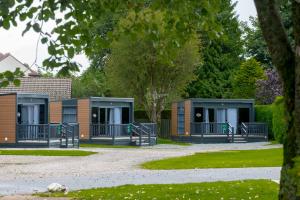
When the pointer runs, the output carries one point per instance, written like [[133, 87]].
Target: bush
[[279, 119], [141, 115], [264, 113], [275, 117]]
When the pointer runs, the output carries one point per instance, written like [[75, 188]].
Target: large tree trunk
[[287, 63]]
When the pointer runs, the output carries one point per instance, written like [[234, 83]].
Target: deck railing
[[254, 129], [109, 130], [49, 132], [32, 132], [212, 128]]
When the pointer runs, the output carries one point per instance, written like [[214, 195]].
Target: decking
[[224, 133], [47, 135], [138, 134]]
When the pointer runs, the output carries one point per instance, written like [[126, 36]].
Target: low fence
[[109, 130]]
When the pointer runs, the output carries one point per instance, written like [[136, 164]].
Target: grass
[[223, 159], [272, 142], [46, 152], [168, 141], [249, 189], [86, 145]]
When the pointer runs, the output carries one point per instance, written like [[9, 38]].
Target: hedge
[[279, 119], [264, 113], [274, 116]]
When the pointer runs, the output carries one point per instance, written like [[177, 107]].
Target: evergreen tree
[[244, 80], [221, 57]]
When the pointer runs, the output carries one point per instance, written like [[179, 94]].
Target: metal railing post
[[67, 138], [149, 137], [48, 134], [113, 134]]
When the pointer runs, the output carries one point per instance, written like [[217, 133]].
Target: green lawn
[[46, 152], [106, 146], [223, 159], [168, 141], [250, 189]]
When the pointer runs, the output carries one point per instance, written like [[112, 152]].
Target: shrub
[[141, 115], [274, 116], [279, 119], [264, 113]]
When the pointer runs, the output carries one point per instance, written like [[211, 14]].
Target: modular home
[[216, 120], [103, 120], [24, 122]]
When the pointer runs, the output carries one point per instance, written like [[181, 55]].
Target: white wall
[[10, 64]]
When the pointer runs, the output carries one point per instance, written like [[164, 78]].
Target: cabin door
[[232, 118], [30, 114]]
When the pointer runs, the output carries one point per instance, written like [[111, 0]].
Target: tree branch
[[276, 38]]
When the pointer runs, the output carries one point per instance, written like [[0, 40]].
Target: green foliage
[[142, 114], [279, 120], [264, 113], [295, 174], [76, 27], [244, 80], [8, 77], [221, 57], [223, 159], [91, 83], [255, 45], [274, 116], [148, 63], [246, 189]]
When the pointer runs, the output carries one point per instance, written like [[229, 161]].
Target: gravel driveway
[[112, 167]]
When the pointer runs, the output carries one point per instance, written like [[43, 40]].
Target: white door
[[232, 118]]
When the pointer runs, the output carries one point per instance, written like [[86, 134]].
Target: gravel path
[[112, 167]]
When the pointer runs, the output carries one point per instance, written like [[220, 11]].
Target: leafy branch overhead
[[76, 22], [8, 77]]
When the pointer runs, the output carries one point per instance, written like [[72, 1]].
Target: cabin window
[[102, 116], [19, 114], [244, 115], [69, 114], [125, 115], [95, 115], [211, 115], [180, 118], [198, 114], [42, 114]]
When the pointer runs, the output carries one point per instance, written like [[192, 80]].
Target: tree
[[268, 89], [255, 45], [286, 58], [221, 57], [77, 22], [151, 70], [244, 80], [91, 83]]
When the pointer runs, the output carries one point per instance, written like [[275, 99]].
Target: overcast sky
[[23, 48]]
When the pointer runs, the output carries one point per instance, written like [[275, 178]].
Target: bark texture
[[286, 59]]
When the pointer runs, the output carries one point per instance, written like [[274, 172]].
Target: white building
[[10, 63], [33, 82]]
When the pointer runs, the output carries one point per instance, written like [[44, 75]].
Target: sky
[[24, 47]]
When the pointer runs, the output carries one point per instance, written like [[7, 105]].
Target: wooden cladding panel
[[56, 112], [83, 109], [8, 118], [187, 117], [174, 120]]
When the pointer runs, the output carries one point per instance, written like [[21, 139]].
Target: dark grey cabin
[[216, 120]]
